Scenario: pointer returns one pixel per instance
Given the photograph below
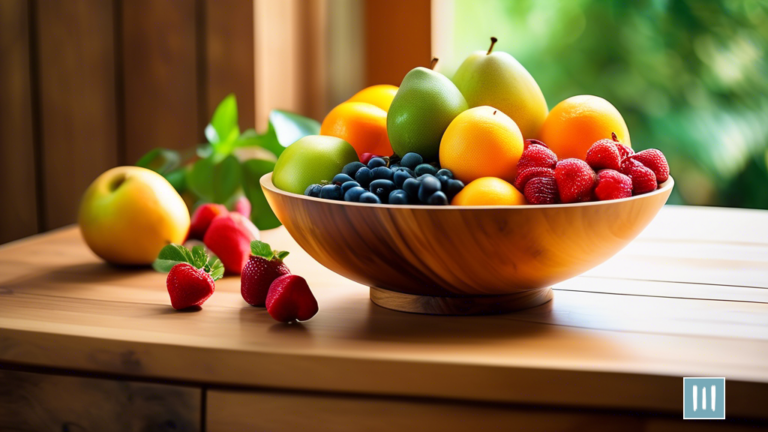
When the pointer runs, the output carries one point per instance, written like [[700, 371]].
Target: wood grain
[[78, 111], [160, 64], [19, 217], [37, 402], [460, 305], [61, 307], [454, 250]]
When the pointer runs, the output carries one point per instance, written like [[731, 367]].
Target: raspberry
[[604, 154], [655, 160], [612, 184], [536, 156], [643, 178], [575, 180], [541, 190], [532, 173], [533, 141]]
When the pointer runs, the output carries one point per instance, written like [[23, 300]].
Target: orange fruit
[[576, 123], [488, 191], [481, 142], [379, 95], [361, 124]]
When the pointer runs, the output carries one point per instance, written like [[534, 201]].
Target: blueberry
[[400, 177], [376, 162], [332, 192], [353, 195], [454, 187], [348, 185], [313, 190], [445, 172], [443, 182], [381, 188], [364, 176], [402, 168], [411, 160], [438, 198], [411, 187], [429, 186], [394, 166], [425, 169], [341, 179], [382, 173], [351, 168], [398, 196], [369, 198]]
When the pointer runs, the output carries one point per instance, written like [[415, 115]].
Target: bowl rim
[[266, 182]]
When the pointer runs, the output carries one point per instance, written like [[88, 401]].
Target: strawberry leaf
[[216, 270], [199, 257], [259, 248], [281, 254], [171, 255]]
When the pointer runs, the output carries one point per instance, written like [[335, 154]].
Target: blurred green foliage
[[689, 77]]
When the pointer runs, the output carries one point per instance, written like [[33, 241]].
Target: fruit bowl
[[462, 260]]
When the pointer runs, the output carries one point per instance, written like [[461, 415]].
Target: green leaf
[[215, 181], [178, 179], [171, 255], [160, 160], [216, 270], [261, 213], [281, 254], [259, 248], [285, 128], [223, 127], [199, 257]]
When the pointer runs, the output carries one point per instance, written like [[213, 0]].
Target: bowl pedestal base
[[464, 305]]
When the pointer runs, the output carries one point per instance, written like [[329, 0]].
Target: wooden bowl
[[462, 260]]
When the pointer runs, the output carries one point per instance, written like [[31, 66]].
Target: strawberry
[[655, 160], [290, 299], [541, 190], [531, 173], [643, 178], [202, 218], [536, 156], [264, 266], [191, 274], [533, 141], [612, 185], [230, 237], [243, 206], [604, 154], [575, 180], [624, 150]]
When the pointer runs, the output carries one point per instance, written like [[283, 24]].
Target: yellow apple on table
[[129, 213]]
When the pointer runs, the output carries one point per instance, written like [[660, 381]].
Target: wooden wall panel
[[397, 39], [38, 402], [17, 157], [78, 121], [160, 75], [229, 56]]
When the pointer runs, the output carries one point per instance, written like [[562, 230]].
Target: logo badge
[[704, 398]]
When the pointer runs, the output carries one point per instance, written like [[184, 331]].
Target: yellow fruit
[[129, 213], [378, 95], [481, 142], [488, 191], [578, 122], [360, 124]]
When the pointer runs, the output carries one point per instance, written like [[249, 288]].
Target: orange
[[488, 191], [576, 123], [361, 124], [379, 95], [481, 142]]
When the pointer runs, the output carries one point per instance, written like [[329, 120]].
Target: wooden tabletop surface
[[689, 297]]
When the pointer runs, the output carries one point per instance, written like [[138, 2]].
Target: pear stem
[[493, 42], [433, 63]]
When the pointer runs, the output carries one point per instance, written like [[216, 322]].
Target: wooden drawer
[[41, 402]]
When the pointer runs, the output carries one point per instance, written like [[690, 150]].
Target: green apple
[[423, 107], [129, 213], [496, 79], [311, 160]]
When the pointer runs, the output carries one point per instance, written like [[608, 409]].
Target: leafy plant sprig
[[231, 163], [174, 254]]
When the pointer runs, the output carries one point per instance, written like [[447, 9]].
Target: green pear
[[496, 79], [310, 160], [423, 107]]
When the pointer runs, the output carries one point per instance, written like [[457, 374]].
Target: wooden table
[[83, 344]]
